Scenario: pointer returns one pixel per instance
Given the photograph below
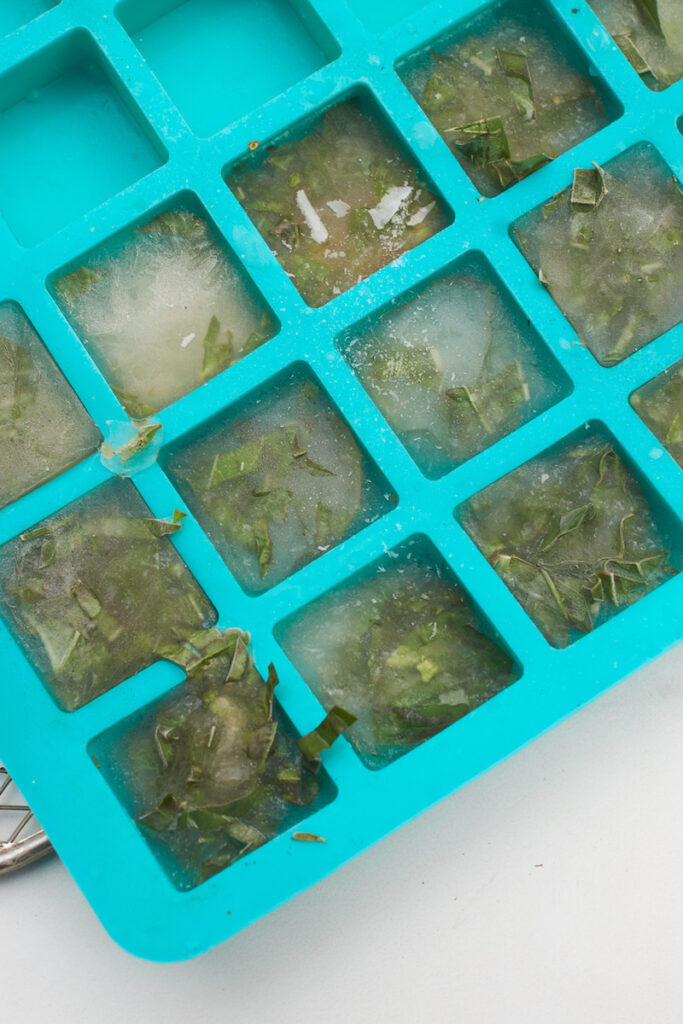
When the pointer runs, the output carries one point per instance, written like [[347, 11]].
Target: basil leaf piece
[[146, 432], [219, 353], [484, 142], [164, 527], [589, 187], [335, 722], [633, 55]]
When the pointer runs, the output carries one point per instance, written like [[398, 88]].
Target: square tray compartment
[[70, 138]]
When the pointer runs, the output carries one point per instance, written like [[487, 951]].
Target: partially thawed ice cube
[[162, 309], [95, 593], [44, 429], [610, 250], [454, 369], [401, 648], [573, 536], [506, 96], [337, 204], [279, 483]]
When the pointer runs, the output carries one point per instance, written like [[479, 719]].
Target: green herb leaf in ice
[[649, 33], [94, 592], [505, 99], [336, 721], [610, 250], [213, 771], [660, 404], [338, 204], [44, 429], [403, 651], [572, 535]]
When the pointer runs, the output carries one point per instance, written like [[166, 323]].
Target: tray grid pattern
[[368, 804]]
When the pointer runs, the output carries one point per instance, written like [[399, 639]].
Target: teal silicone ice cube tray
[[107, 113]]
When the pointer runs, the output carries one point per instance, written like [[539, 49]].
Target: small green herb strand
[[336, 721], [570, 561], [216, 773]]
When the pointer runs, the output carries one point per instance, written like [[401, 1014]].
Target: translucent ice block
[[506, 94], [339, 203], [162, 309], [44, 429], [650, 35], [212, 771], [279, 483], [573, 536], [93, 594], [610, 250], [454, 369], [401, 648]]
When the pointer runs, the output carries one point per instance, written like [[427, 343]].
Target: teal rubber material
[[146, 100]]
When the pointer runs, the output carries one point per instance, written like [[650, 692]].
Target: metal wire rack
[[22, 840]]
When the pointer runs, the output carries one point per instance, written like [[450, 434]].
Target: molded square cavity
[[164, 306], [575, 535], [278, 480], [69, 138], [211, 771], [95, 592], [454, 366], [15, 14], [337, 198], [508, 90], [608, 248], [400, 646], [44, 429], [219, 59]]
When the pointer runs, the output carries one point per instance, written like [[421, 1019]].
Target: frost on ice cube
[[610, 251], [279, 483], [44, 429], [162, 309], [454, 369], [659, 404], [573, 536], [212, 771], [95, 592], [401, 648], [337, 204], [649, 33], [506, 95]]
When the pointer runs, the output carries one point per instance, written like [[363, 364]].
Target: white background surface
[[548, 892]]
